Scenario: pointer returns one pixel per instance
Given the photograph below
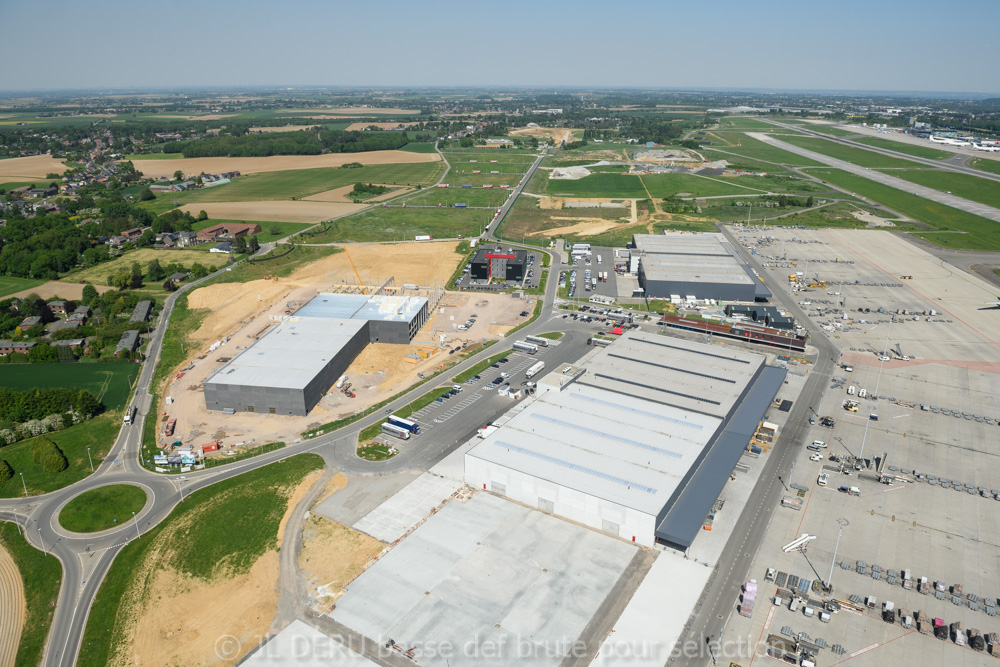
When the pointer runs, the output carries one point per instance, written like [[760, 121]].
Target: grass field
[[269, 231], [155, 156], [457, 180], [836, 216], [748, 147], [976, 189], [856, 156], [492, 197], [992, 166], [462, 156], [102, 508], [825, 129], [98, 275], [11, 285], [971, 232], [300, 183], [598, 185], [744, 123], [403, 224], [909, 149], [110, 382], [215, 533], [461, 169], [98, 434], [41, 574]]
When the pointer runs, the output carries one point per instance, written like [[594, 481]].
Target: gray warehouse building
[[639, 442], [289, 368], [705, 266]]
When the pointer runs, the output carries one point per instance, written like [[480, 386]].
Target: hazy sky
[[801, 44]]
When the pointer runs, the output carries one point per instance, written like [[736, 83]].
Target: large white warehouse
[[638, 444]]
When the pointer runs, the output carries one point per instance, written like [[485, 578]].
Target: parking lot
[[910, 474], [600, 261]]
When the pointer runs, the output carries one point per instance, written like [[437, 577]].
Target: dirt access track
[[34, 167], [244, 312], [253, 165]]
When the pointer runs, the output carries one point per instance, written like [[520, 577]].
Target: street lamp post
[[136, 522], [90, 459], [829, 580], [40, 539], [24, 485]]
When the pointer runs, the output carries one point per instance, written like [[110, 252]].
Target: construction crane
[[360, 282]]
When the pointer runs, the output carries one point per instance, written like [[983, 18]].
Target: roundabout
[[103, 508]]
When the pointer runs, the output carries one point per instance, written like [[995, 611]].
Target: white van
[[862, 393], [850, 390]]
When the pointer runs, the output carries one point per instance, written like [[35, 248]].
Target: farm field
[[856, 156], [98, 434], [110, 382], [460, 156], [281, 210], [477, 180], [11, 285], [976, 189], [745, 146], [252, 165], [466, 167], [27, 168], [41, 575], [490, 197], [954, 228], [598, 185], [98, 275], [403, 224], [302, 183], [156, 156], [901, 147]]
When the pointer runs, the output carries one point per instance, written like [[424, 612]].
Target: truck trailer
[[534, 370]]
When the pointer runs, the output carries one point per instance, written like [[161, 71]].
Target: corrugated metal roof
[[360, 306], [686, 514], [692, 258], [290, 355]]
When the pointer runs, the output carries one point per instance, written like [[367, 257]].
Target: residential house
[[57, 307], [36, 193], [133, 234], [225, 247], [59, 325], [227, 231], [178, 277], [7, 347], [30, 321], [72, 343], [77, 317], [83, 310], [129, 341], [185, 239], [142, 311]]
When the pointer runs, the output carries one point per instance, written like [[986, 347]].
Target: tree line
[[21, 405]]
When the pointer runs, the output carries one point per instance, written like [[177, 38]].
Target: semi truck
[[524, 346], [537, 340], [129, 416], [749, 598], [534, 370], [411, 426], [395, 431], [423, 237]]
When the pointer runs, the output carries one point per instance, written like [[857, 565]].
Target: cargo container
[[211, 446], [993, 643], [958, 633], [169, 430], [395, 431], [940, 628], [749, 598], [923, 625], [976, 640], [534, 370], [889, 612]]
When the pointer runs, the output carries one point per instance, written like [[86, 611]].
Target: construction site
[[245, 315]]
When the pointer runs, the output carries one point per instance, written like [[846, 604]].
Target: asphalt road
[[885, 179], [720, 596]]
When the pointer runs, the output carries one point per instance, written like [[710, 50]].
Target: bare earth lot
[[36, 166], [245, 311], [278, 211], [251, 165]]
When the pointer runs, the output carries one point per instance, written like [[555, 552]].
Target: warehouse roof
[[289, 355], [362, 307], [674, 372], [692, 258], [619, 448]]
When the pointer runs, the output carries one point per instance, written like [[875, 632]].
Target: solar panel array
[[607, 436], [577, 468]]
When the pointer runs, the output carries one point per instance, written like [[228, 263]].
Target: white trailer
[[537, 340], [524, 346], [534, 370]]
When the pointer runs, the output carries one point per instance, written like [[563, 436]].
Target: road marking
[[864, 650]]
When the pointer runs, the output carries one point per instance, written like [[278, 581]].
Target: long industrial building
[[705, 266], [639, 442], [288, 369]]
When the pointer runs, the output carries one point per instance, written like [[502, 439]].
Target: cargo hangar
[[706, 266], [288, 369], [639, 441]]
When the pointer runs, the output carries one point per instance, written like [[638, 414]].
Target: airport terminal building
[[705, 266], [289, 369], [639, 442]]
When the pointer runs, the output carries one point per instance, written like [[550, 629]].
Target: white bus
[[395, 431]]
